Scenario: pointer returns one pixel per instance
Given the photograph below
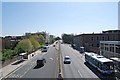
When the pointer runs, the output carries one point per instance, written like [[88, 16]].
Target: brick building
[[91, 41]]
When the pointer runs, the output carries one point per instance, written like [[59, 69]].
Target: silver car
[[67, 60]]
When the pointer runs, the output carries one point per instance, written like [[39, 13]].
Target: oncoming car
[[44, 49], [67, 60]]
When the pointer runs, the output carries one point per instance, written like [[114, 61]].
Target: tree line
[[27, 45], [67, 38]]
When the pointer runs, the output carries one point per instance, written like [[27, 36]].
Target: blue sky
[[58, 17]]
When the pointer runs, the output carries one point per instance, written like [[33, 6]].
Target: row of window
[[111, 48], [103, 38]]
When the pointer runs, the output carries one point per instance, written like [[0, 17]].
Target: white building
[[111, 49]]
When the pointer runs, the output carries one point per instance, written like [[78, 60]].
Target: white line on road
[[80, 73], [27, 70], [51, 58]]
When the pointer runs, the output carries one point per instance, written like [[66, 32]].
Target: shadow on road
[[37, 67], [100, 75], [17, 62]]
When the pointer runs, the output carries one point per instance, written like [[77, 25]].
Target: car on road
[[40, 62], [44, 49], [67, 60]]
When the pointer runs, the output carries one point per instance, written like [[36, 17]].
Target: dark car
[[44, 49], [40, 62]]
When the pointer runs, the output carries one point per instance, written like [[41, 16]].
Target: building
[[91, 41], [111, 50]]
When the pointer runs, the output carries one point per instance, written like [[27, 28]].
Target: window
[[108, 38], [97, 38], [92, 45], [102, 38], [101, 45], [113, 37], [97, 45], [117, 48], [92, 38]]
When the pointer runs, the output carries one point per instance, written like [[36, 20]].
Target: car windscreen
[[67, 58], [44, 48]]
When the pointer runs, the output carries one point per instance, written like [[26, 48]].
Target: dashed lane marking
[[51, 58], [80, 73]]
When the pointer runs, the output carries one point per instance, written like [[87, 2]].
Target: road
[[77, 69], [49, 70]]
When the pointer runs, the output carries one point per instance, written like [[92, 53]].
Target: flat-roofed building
[[91, 41], [110, 48]]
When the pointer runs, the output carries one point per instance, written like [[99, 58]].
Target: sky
[[57, 18]]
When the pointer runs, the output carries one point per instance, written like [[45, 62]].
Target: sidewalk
[[10, 68]]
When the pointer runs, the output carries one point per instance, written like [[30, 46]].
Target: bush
[[7, 54]]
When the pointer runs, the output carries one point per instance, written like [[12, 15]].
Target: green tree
[[7, 54], [67, 38], [24, 46], [34, 42], [41, 40], [57, 38]]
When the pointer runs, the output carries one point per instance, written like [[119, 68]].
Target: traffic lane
[[91, 72], [25, 67], [28, 66], [49, 70], [69, 69], [83, 70], [78, 63]]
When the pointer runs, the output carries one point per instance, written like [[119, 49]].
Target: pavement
[[5, 71]]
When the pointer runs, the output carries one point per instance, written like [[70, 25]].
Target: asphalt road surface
[[49, 70], [79, 69], [76, 70]]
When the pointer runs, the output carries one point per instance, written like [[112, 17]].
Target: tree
[[7, 54], [67, 38], [34, 42], [41, 40], [57, 38], [24, 46]]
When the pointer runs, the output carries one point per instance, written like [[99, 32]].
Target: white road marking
[[80, 73], [51, 58]]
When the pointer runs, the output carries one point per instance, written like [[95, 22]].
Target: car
[[44, 49], [40, 62], [67, 60]]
